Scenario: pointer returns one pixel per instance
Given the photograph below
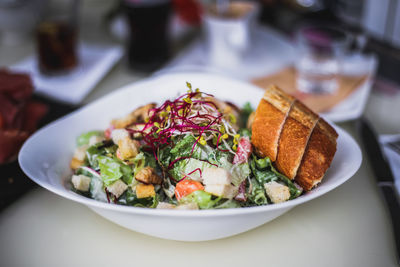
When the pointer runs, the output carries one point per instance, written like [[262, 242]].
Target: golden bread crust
[[266, 129], [268, 121], [318, 156], [300, 143], [294, 138]]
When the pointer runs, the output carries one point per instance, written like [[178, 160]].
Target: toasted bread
[[269, 119], [294, 138], [299, 143], [318, 155]]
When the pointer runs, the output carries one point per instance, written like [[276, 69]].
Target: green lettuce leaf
[[206, 201], [201, 198], [239, 173], [83, 139], [140, 162], [257, 194], [222, 159], [97, 150], [187, 166], [129, 198], [245, 113], [164, 156], [126, 170], [183, 148], [97, 189], [245, 132], [228, 204], [112, 169], [264, 172]]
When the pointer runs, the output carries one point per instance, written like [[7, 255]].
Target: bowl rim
[[182, 213]]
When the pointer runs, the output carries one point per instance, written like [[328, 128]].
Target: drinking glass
[[148, 46], [320, 54], [228, 32], [56, 39]]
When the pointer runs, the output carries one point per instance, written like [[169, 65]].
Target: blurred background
[[57, 55], [375, 23]]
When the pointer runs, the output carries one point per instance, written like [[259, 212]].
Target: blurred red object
[[19, 115], [188, 11]]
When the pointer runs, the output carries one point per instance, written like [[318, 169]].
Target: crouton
[[147, 175], [81, 182], [128, 148], [76, 163], [145, 190], [277, 192]]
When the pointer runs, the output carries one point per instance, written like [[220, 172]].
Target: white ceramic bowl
[[45, 158]]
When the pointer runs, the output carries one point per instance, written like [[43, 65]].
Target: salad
[[193, 152]]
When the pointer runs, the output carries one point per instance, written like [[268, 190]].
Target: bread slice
[[294, 137], [318, 155], [299, 143], [270, 117]]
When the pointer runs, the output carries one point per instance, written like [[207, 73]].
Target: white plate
[[94, 62], [45, 158]]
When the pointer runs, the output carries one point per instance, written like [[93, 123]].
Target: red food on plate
[[19, 115], [243, 151]]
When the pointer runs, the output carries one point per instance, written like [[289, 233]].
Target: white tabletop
[[346, 227]]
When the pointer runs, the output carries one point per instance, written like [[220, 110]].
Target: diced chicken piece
[[119, 134], [221, 190], [127, 148], [75, 163], [95, 139], [213, 176], [165, 205], [81, 182], [277, 192], [117, 188], [188, 206], [148, 175], [145, 190], [80, 153]]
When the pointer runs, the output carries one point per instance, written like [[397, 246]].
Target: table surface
[[348, 226]]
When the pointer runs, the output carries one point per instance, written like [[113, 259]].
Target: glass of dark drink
[[148, 44], [56, 40]]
